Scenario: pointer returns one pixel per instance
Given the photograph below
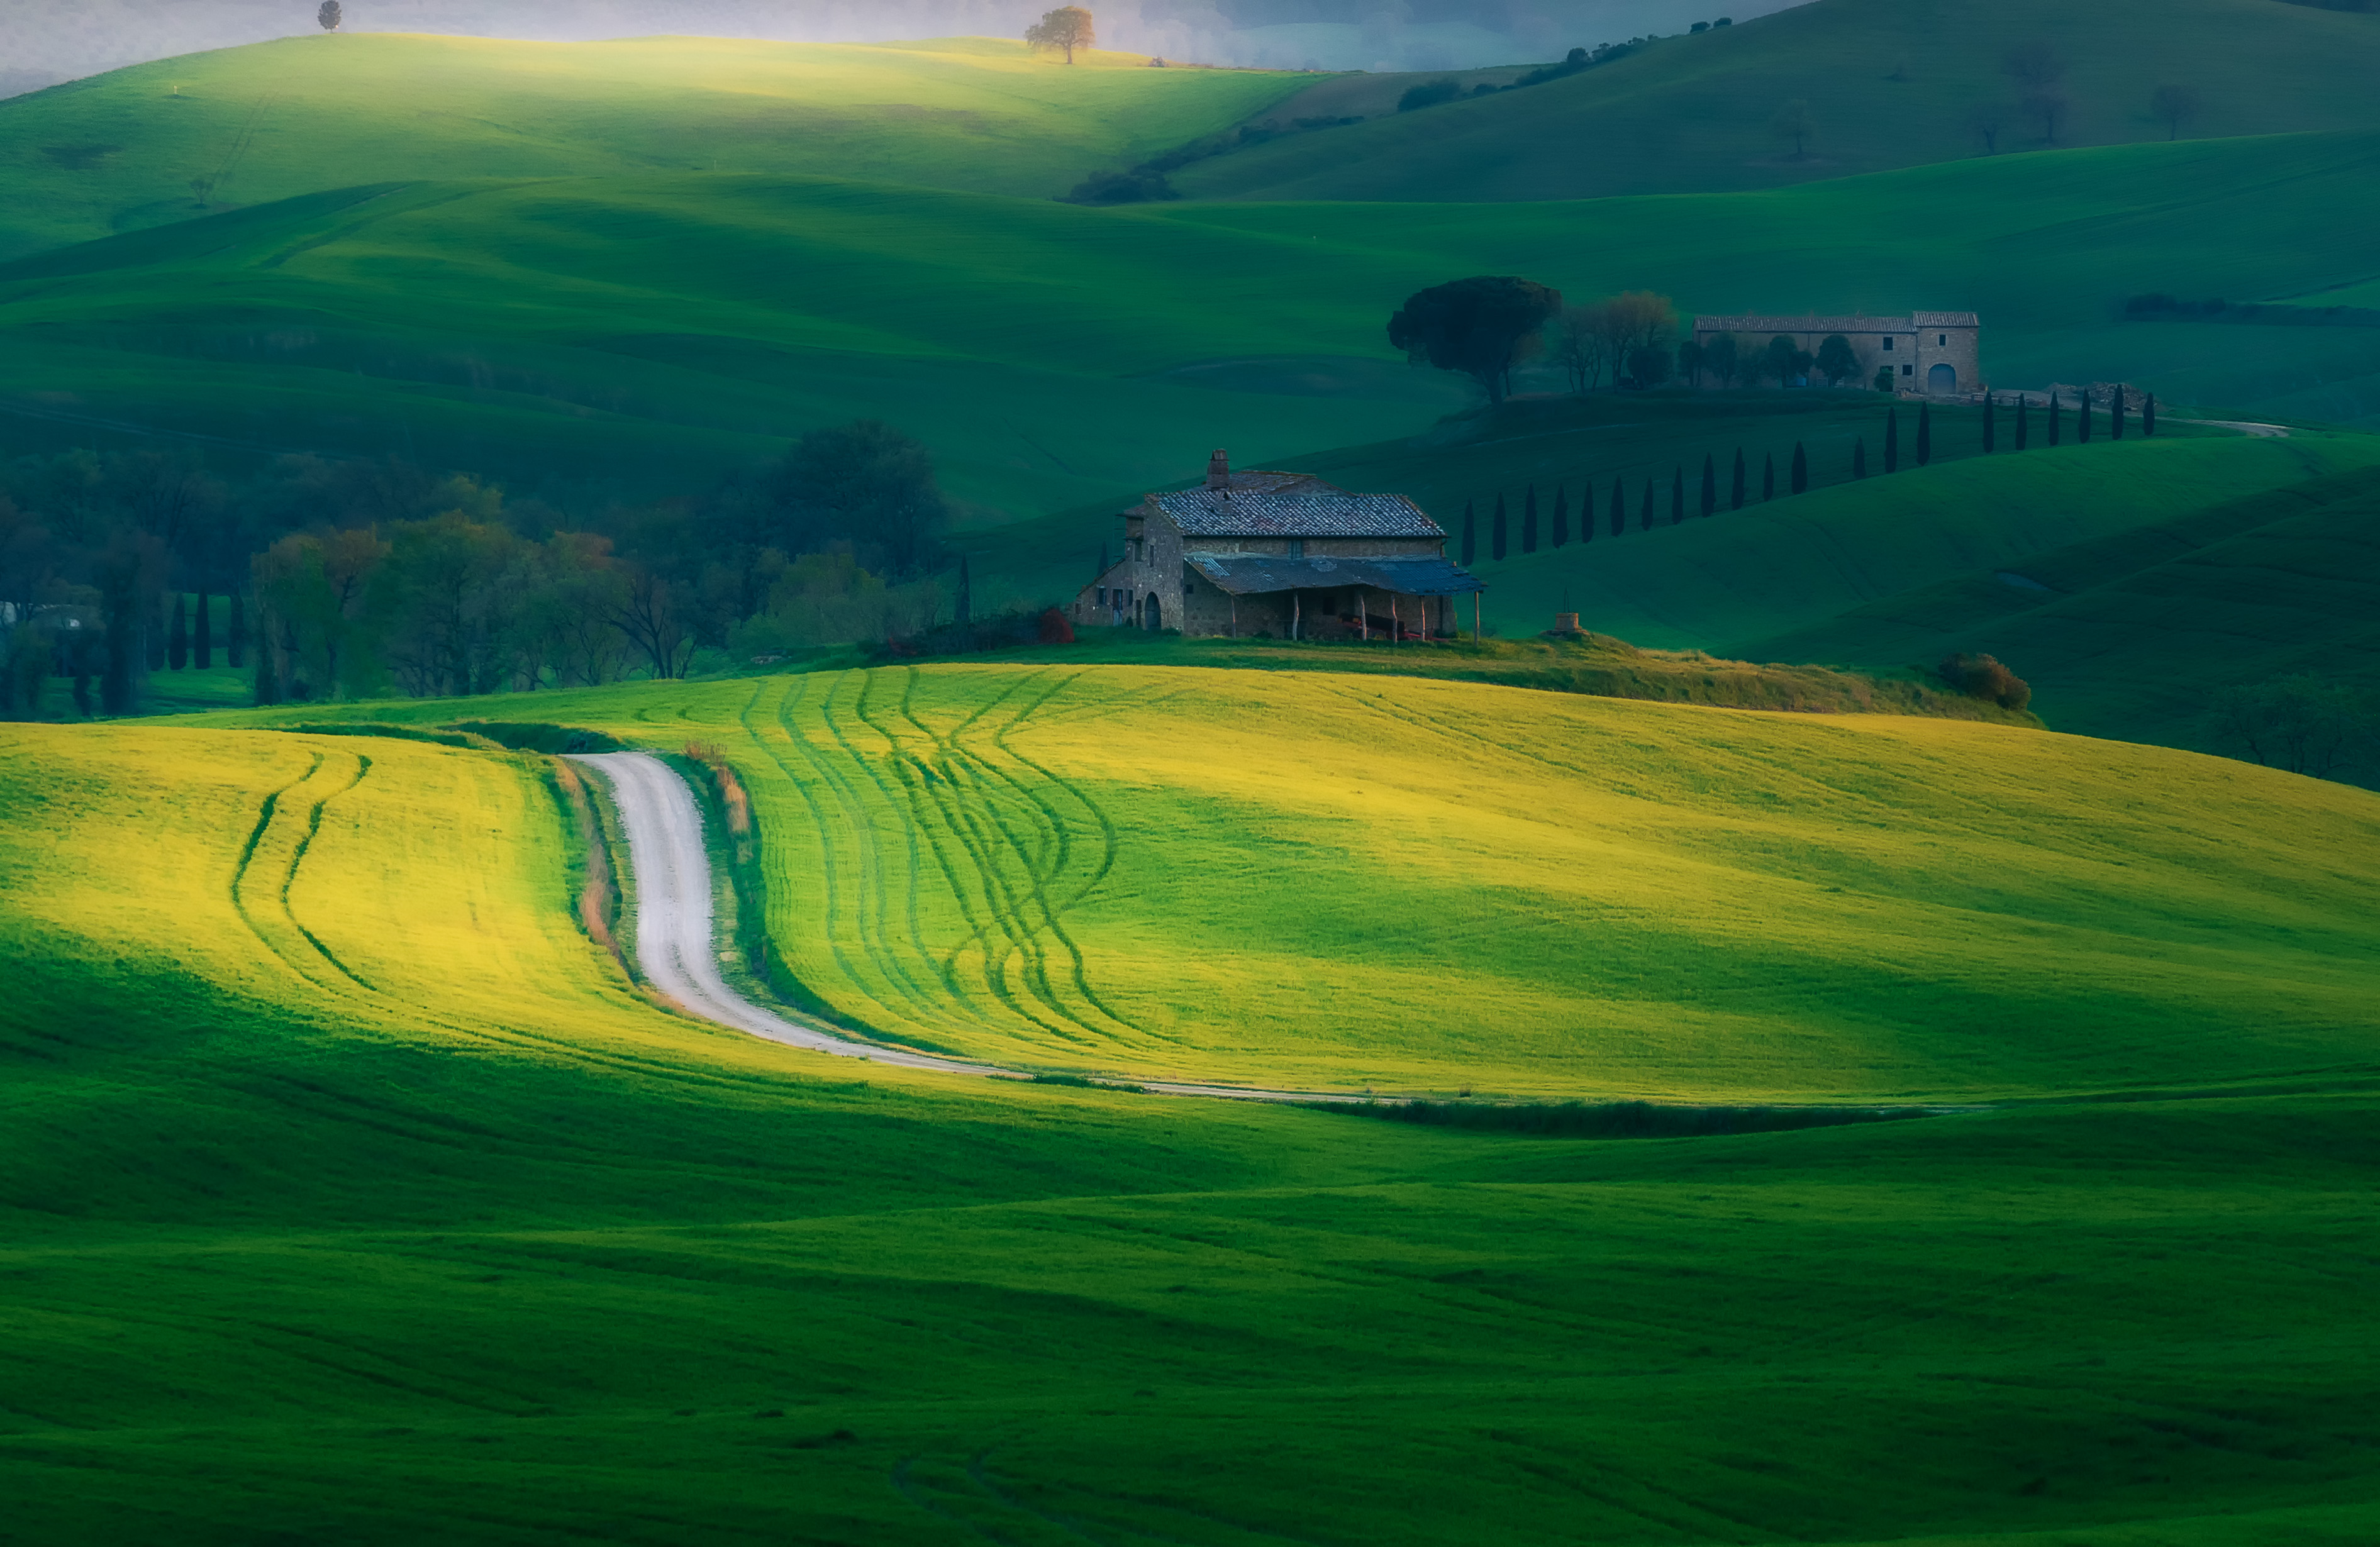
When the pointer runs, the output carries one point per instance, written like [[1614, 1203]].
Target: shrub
[[1139, 186], [1430, 94], [1027, 625], [1983, 677], [1055, 629]]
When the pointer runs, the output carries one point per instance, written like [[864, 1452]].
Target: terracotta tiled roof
[[1264, 504], [1909, 324]]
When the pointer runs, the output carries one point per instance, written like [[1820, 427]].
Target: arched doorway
[[1151, 616], [1942, 380]]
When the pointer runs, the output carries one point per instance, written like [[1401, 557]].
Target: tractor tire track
[[1042, 858], [297, 857], [677, 950]]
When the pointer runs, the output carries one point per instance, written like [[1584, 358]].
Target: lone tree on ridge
[[2176, 105], [1482, 326], [329, 16], [1066, 29], [1794, 122]]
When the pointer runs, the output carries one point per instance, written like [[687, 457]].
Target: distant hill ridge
[[1887, 83]]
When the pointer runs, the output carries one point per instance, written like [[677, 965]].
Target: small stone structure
[[1282, 554], [1934, 354]]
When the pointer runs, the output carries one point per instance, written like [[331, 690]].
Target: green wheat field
[[354, 1193]]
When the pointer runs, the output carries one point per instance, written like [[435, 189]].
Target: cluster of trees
[[2305, 723], [2038, 77], [334, 578]]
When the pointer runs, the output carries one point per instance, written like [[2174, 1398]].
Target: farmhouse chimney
[[1219, 469]]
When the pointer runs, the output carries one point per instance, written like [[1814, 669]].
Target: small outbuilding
[[1279, 554]]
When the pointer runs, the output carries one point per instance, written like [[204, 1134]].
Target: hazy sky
[[45, 40]]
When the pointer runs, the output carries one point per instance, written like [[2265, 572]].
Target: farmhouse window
[[1888, 343], [1908, 371], [1103, 596], [1298, 547], [1941, 338]]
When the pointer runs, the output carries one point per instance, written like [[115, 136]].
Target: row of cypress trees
[[1707, 500], [186, 641]]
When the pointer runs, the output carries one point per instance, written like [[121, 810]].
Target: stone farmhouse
[[1283, 554], [1934, 354]]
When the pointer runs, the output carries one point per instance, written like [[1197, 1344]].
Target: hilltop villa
[[1283, 554], [1932, 353]]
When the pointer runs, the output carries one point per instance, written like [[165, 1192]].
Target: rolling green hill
[[350, 1193], [1890, 84], [1735, 582], [2134, 634], [271, 121], [1169, 873], [649, 331]]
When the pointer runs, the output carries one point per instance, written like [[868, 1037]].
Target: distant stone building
[[1283, 554], [1938, 354]]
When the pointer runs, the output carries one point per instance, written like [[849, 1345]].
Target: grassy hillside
[[474, 1246], [1325, 881], [2133, 633], [1890, 84], [646, 331], [1736, 581], [119, 151]]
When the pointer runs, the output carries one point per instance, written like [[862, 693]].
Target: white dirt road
[[678, 956]]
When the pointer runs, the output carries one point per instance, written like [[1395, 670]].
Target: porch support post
[[1474, 617]]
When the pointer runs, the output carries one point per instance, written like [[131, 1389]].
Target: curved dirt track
[[675, 949], [677, 955]]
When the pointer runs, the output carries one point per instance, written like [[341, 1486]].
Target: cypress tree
[[236, 635], [1736, 494], [268, 681], [1801, 469], [152, 640], [1710, 485], [1495, 543], [2116, 415], [2020, 421], [2148, 415], [1925, 433], [1859, 457], [178, 636], [1677, 495], [1769, 476], [1619, 507], [1470, 542], [2054, 406], [1645, 512], [1529, 522], [1103, 557], [2083, 419], [202, 638], [1892, 439], [1988, 447]]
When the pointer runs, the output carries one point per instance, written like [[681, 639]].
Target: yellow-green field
[[351, 1195], [1324, 881]]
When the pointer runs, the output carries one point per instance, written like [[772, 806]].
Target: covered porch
[[1393, 598]]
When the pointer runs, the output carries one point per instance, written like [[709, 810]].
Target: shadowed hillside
[[1889, 83]]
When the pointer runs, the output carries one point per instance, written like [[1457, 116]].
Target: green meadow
[[119, 151], [1325, 881], [645, 331], [1889, 84], [2132, 633], [353, 1193]]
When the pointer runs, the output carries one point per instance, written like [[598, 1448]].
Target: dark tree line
[[345, 578]]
